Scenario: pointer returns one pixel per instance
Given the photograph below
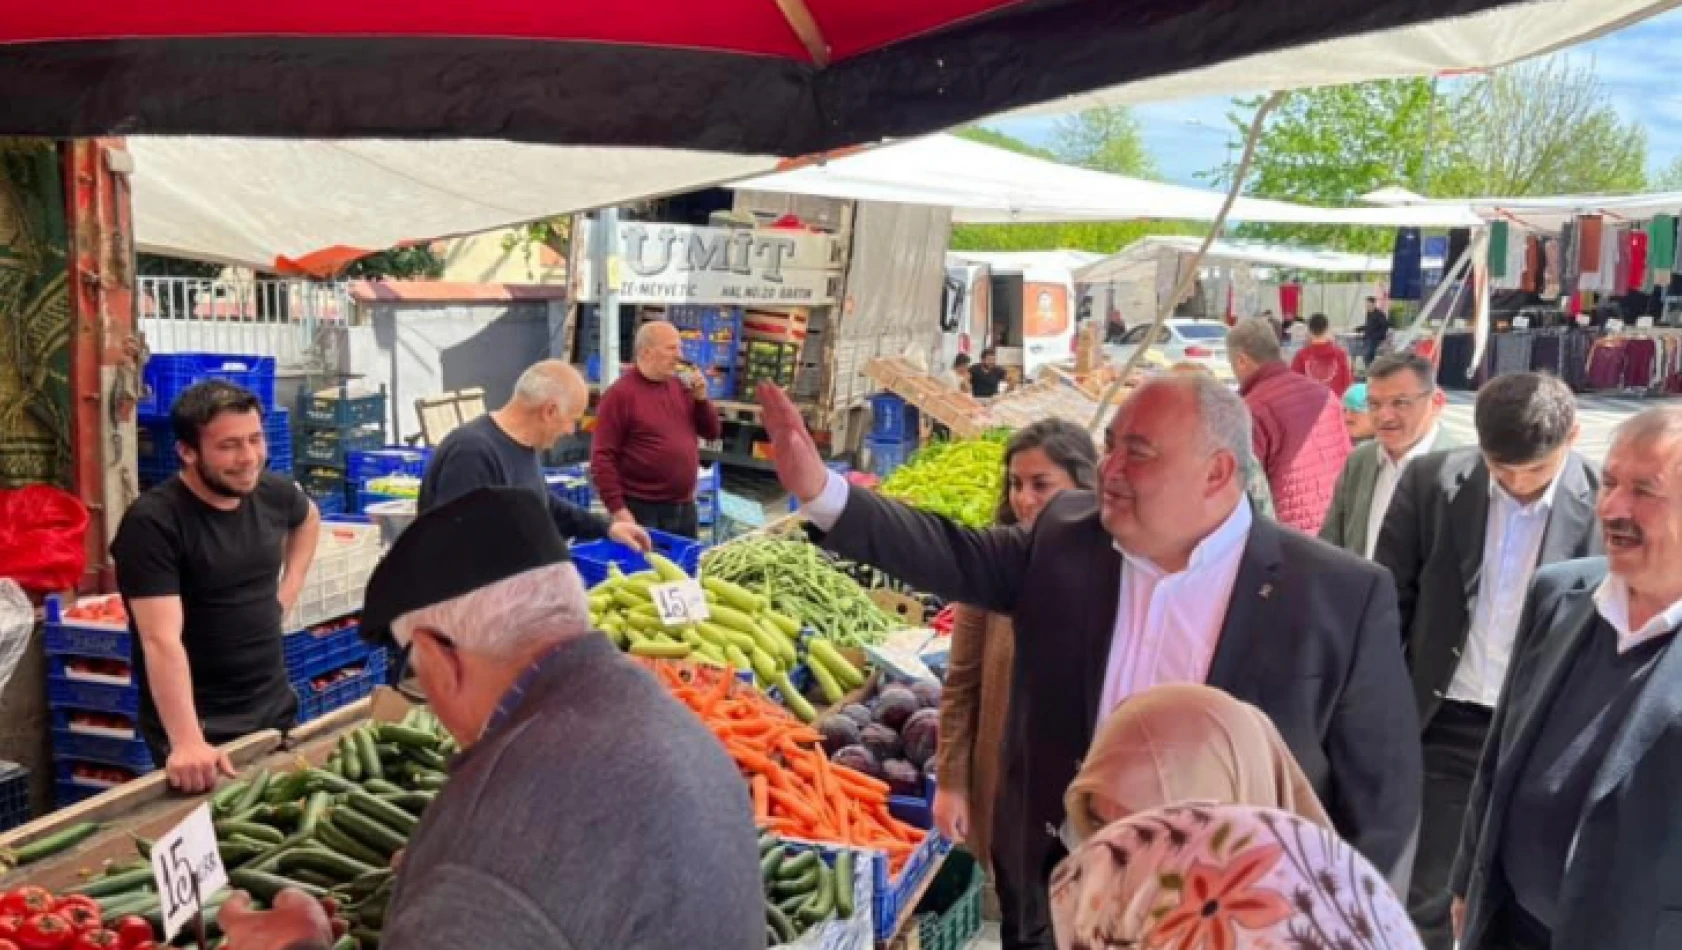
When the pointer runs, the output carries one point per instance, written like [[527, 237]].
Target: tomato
[[134, 931], [45, 932], [27, 902], [97, 939], [78, 915], [9, 926], [7, 944]]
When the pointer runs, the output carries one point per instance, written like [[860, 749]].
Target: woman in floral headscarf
[[1223, 877]]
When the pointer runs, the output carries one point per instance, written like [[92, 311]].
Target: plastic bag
[[17, 622], [42, 531]]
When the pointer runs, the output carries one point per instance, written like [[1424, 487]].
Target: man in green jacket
[[1405, 406]]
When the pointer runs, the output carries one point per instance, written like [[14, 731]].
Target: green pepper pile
[[961, 480], [800, 582]]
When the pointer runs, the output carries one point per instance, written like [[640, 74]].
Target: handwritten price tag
[[187, 868], [680, 603]]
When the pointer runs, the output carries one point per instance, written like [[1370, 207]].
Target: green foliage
[[555, 233], [399, 263], [1668, 178], [1539, 128], [157, 265], [1106, 140], [997, 139]]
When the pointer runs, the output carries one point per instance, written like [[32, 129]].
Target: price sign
[[680, 603], [1644, 323], [1614, 325], [1521, 323], [187, 868]]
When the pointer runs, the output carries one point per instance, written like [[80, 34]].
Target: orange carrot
[[760, 786]]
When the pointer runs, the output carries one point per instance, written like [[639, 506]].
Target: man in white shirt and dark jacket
[[1164, 575], [1464, 535], [1570, 837]]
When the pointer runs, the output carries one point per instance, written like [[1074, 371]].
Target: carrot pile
[[796, 790]]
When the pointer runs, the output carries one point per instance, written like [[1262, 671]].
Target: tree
[[1535, 129], [1668, 178], [997, 139], [416, 262], [1106, 140]]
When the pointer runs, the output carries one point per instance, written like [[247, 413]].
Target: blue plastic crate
[[333, 448], [14, 795], [156, 444], [341, 409], [593, 557], [95, 696], [76, 788], [314, 703], [570, 484], [66, 794], [915, 810], [59, 667], [128, 753], [76, 638], [893, 894], [886, 456], [168, 375], [593, 368], [892, 419], [65, 718], [364, 498], [363, 464], [309, 655]]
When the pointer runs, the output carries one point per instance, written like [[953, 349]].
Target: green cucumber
[[384, 812], [142, 846], [795, 702], [780, 923], [333, 838], [115, 884], [368, 831], [264, 887], [329, 781], [414, 803], [788, 887], [350, 757], [406, 736], [427, 757], [250, 829], [112, 912], [253, 794], [844, 884], [822, 902], [51, 844], [222, 800], [336, 866], [773, 859], [380, 786], [799, 865], [119, 905], [313, 810]]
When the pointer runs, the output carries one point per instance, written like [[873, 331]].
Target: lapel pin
[[1266, 591]]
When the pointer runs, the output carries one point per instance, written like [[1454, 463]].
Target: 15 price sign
[[680, 603], [187, 868]]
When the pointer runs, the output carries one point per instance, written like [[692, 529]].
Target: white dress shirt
[[1611, 599], [1512, 544], [1167, 626], [1384, 488]]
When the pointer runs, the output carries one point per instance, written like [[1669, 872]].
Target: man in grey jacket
[[1405, 405], [588, 809]]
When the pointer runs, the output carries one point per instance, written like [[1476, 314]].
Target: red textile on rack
[[1588, 244], [1290, 300], [1635, 259]]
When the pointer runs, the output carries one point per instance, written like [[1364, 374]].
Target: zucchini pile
[[47, 847], [330, 832], [802, 889], [743, 633]]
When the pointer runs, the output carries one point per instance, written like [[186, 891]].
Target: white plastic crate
[[344, 557]]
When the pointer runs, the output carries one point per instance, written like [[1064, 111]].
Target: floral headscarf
[[1223, 877]]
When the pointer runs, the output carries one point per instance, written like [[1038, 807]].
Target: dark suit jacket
[[1310, 637], [1623, 883], [1433, 543]]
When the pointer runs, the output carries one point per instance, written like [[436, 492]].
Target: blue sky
[[1638, 66]]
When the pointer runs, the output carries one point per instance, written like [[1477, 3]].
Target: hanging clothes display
[[1498, 242], [1661, 237], [1570, 258], [1290, 300], [1608, 260], [1636, 251], [1552, 253], [1533, 265], [1458, 240], [1589, 228], [1406, 266]]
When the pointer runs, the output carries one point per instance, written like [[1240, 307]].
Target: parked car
[[1179, 341]]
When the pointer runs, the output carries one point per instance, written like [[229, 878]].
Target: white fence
[[278, 318]]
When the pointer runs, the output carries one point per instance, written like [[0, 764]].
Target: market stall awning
[[1147, 249], [311, 207], [783, 77], [983, 184], [1541, 213]]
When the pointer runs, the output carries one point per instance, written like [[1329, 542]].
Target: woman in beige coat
[[1041, 460]]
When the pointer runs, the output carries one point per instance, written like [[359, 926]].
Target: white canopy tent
[[987, 185], [1547, 213], [1466, 44], [1124, 262]]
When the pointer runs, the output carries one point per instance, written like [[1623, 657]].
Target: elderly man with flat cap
[[587, 810]]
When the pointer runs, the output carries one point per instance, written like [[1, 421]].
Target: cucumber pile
[[743, 632], [329, 832], [802, 889]]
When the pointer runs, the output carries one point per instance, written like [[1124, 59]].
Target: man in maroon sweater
[[647, 455]]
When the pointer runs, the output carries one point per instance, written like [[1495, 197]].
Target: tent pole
[[607, 294], [1189, 278]]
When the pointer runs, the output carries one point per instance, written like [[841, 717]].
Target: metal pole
[[604, 249]]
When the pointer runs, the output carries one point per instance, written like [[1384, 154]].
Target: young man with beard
[[208, 564]]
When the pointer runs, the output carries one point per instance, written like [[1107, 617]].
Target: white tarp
[[1546, 214], [251, 202], [1465, 44], [987, 185], [1124, 263]]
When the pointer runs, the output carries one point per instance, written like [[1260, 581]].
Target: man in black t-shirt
[[986, 376], [199, 562]]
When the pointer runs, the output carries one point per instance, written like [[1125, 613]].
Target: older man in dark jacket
[[1299, 435]]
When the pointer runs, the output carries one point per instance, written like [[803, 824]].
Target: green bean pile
[[802, 583]]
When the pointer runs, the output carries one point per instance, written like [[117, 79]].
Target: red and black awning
[[785, 77]]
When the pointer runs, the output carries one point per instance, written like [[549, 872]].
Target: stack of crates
[[93, 697], [571, 483], [768, 362], [390, 474], [894, 429], [14, 795], [712, 343], [330, 425], [706, 499], [168, 375], [327, 662]]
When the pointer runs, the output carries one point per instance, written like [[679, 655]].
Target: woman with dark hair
[[1041, 460]]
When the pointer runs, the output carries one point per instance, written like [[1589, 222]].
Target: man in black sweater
[[501, 449], [1375, 330], [1569, 835]]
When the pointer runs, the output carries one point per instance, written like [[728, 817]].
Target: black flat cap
[[484, 536]]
